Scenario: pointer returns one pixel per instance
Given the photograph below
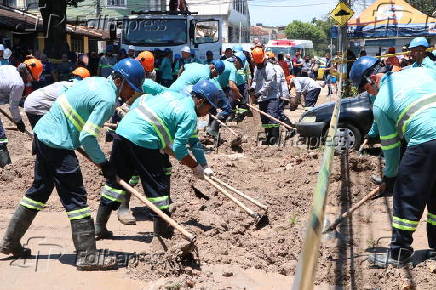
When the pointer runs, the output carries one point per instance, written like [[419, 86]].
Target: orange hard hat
[[146, 58], [270, 54], [258, 55], [81, 72], [35, 67]]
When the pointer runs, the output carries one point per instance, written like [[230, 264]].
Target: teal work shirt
[[151, 87], [165, 120], [76, 117], [229, 74], [166, 69], [405, 107], [426, 62], [193, 73]]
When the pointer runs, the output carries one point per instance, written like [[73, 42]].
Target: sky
[[278, 16]]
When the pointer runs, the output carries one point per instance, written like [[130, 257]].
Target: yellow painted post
[[69, 40], [85, 44], [40, 38]]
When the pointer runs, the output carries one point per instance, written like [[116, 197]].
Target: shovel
[[346, 214], [235, 142], [10, 119], [271, 117], [261, 220]]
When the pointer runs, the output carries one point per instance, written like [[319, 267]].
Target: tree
[[311, 31], [425, 6], [54, 21]]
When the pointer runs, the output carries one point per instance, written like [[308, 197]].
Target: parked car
[[355, 120]]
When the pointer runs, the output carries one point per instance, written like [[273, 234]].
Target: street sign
[[342, 13]]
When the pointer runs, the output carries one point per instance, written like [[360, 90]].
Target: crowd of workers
[[158, 100]]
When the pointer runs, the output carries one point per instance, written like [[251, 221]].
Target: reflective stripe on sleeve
[[32, 204], [79, 213], [113, 194], [431, 219], [161, 202], [404, 224], [390, 141], [412, 110], [91, 128]]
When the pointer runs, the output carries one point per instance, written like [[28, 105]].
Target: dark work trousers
[[414, 189], [115, 120], [60, 168], [3, 138], [226, 111], [152, 166], [311, 97], [33, 119], [282, 117], [271, 107]]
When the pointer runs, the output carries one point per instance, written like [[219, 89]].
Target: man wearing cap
[[418, 50], [73, 122], [187, 56], [106, 62], [12, 83], [195, 72], [131, 51]]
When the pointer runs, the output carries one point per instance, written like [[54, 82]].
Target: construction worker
[[284, 95], [227, 81], [155, 126], [418, 50], [147, 60], [39, 102], [73, 121], [265, 90], [195, 72], [305, 87], [12, 83], [404, 108], [243, 80]]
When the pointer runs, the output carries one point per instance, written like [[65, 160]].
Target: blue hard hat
[[219, 66], [210, 92], [241, 56], [360, 67], [418, 41], [132, 71], [177, 56], [238, 47]]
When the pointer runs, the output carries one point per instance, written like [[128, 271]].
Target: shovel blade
[[262, 221]]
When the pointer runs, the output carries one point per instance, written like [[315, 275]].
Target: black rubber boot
[[5, 159], [398, 260], [274, 136], [268, 135], [125, 216], [88, 258], [18, 225], [162, 228], [103, 214]]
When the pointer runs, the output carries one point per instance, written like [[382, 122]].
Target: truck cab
[[162, 30]]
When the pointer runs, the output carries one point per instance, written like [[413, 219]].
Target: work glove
[[108, 170], [386, 188], [208, 172], [198, 171], [21, 126]]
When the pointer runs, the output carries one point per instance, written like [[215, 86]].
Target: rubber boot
[[274, 136], [125, 216], [88, 258], [268, 135], [162, 228], [5, 159], [103, 214], [398, 260], [18, 225]]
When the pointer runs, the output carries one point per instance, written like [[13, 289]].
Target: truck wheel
[[347, 137]]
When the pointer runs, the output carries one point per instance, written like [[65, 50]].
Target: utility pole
[[97, 9]]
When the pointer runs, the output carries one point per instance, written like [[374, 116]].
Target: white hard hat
[[131, 47], [7, 53], [186, 49], [2, 47]]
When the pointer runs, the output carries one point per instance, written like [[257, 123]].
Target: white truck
[[161, 30]]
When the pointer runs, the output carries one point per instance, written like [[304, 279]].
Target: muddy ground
[[231, 251]]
